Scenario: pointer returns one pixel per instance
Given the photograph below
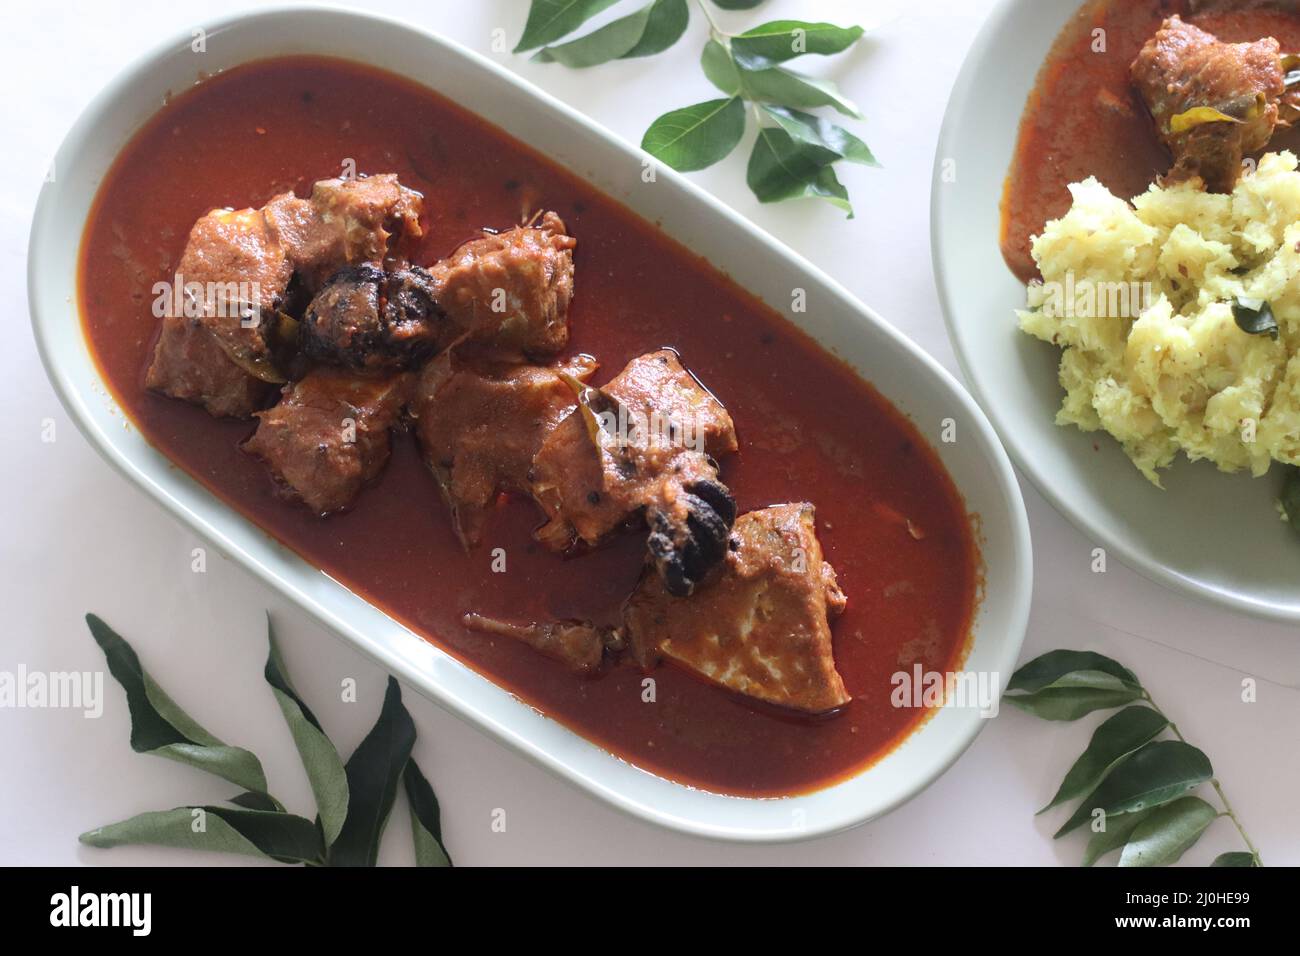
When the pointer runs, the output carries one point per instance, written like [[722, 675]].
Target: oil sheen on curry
[[1130, 96], [526, 424]]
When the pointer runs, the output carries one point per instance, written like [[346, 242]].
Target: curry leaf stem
[[1214, 782], [714, 29]]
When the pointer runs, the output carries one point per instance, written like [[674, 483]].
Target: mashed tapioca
[[1141, 297]]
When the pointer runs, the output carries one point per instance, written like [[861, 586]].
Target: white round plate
[[1208, 533]]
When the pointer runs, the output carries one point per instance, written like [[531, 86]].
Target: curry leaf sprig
[[1134, 787], [795, 151], [353, 799]]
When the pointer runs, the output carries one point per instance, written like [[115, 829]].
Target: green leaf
[[254, 801], [815, 131], [235, 764], [1156, 774], [374, 771], [615, 39], [1237, 858], [426, 818], [1290, 497], [782, 40], [737, 4], [696, 136], [1254, 317], [278, 835], [719, 69], [160, 727], [1168, 832], [548, 20], [1116, 738], [827, 186], [781, 169], [325, 772], [1071, 703], [789, 88], [667, 22], [1116, 834], [1054, 665], [1066, 685], [1091, 680]]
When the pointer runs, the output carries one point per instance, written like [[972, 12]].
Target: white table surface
[[78, 538]]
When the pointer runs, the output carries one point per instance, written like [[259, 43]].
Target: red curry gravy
[[809, 428], [1084, 118]]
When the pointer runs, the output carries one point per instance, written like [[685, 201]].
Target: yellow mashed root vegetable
[[1141, 299]]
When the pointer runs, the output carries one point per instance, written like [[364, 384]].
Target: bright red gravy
[[809, 428]]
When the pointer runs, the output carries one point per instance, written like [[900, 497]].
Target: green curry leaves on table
[[794, 152], [1136, 788], [353, 799]]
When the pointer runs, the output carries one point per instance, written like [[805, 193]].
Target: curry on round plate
[[1153, 209]]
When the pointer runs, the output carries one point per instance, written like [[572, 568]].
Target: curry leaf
[[1254, 317], [790, 88], [548, 20], [275, 834], [426, 818], [1139, 785], [796, 161], [235, 764], [374, 771], [827, 186], [1066, 685], [772, 43], [1158, 773], [160, 727], [1116, 738], [355, 800], [696, 136], [666, 24], [1072, 702], [1168, 832], [251, 800], [814, 131], [1116, 833], [325, 773], [719, 68], [780, 169], [615, 39], [1054, 665]]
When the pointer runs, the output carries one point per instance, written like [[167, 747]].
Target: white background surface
[[75, 537]]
